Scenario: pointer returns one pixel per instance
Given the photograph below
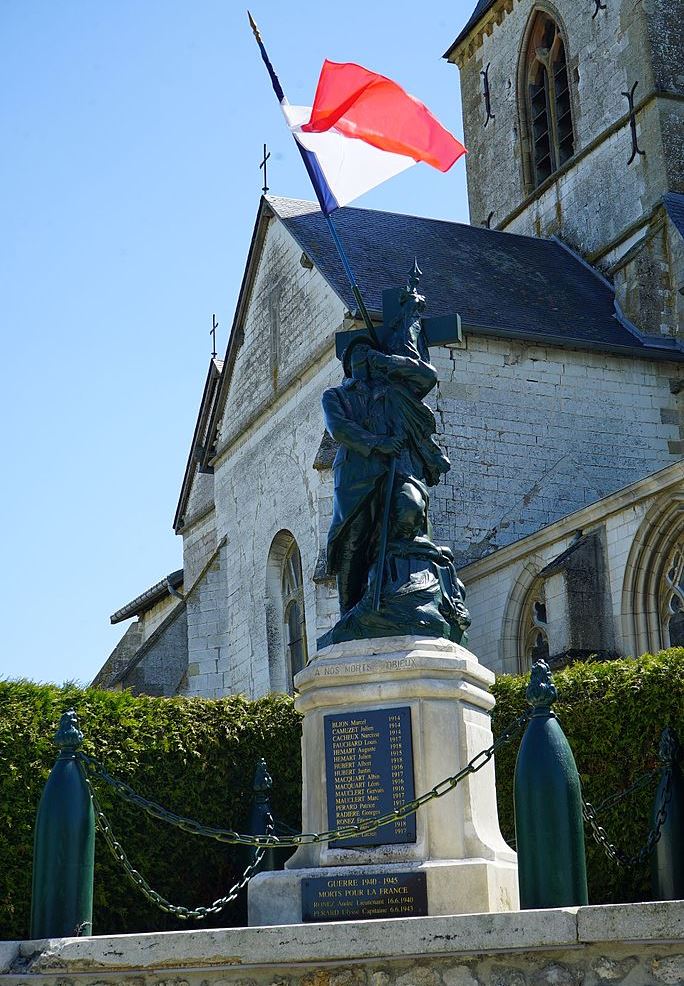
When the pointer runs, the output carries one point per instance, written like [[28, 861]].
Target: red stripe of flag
[[370, 107]]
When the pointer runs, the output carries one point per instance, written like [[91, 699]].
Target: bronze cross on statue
[[264, 188], [212, 333], [440, 331]]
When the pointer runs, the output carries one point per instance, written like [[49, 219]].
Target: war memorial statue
[[393, 702], [392, 578]]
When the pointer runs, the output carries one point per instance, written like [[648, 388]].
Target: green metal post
[[548, 807], [260, 816], [64, 845], [668, 860]]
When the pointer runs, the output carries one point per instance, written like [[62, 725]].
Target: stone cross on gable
[[440, 331]]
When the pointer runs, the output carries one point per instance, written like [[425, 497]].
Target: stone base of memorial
[[385, 720]]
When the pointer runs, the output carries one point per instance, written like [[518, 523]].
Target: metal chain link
[[95, 769], [139, 881], [642, 781], [618, 855]]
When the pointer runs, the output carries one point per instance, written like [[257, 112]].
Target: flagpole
[[392, 468], [331, 225], [350, 275]]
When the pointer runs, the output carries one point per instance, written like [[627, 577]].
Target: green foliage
[[195, 757], [198, 757], [612, 714]]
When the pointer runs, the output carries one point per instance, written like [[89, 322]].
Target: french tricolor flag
[[361, 130]]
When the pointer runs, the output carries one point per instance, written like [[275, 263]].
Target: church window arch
[[524, 633], [671, 602], [294, 626], [285, 613], [533, 634], [653, 587], [544, 87]]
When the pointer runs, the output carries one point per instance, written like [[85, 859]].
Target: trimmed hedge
[[197, 757], [194, 756], [612, 714]]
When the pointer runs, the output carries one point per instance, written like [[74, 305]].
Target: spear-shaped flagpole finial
[[253, 25]]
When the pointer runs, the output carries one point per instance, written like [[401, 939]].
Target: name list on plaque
[[358, 898], [369, 772]]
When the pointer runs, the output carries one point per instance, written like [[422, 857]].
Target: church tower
[[574, 115]]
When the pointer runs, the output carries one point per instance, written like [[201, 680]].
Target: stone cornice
[[462, 52], [294, 948]]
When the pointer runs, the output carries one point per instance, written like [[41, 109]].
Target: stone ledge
[[659, 921], [463, 937]]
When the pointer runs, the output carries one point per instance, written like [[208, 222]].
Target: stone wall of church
[[199, 544], [264, 480], [648, 277], [666, 42], [265, 486], [535, 433], [207, 618], [585, 211], [293, 315], [153, 617], [162, 666]]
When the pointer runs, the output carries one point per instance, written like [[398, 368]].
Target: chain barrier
[[139, 881], [614, 853], [95, 769], [641, 782], [274, 837]]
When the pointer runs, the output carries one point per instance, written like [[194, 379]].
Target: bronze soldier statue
[[355, 416], [392, 579]]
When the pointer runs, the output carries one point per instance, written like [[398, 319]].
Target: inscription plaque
[[369, 771], [354, 898]]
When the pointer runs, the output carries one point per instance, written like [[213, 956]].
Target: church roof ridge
[[149, 598], [286, 211], [501, 284]]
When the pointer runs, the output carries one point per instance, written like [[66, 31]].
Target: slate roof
[[674, 204], [479, 12], [500, 283]]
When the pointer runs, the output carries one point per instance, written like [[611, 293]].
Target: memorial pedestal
[[370, 707]]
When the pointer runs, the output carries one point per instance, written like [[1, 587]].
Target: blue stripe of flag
[[326, 199]]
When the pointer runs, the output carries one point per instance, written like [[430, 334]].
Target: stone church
[[560, 406]]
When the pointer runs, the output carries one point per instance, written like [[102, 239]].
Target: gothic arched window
[[672, 598], [294, 626], [653, 588], [285, 617], [547, 96], [533, 633]]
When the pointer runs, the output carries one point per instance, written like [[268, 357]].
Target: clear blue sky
[[132, 132]]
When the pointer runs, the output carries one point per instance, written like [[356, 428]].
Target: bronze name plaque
[[361, 897], [369, 772]]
